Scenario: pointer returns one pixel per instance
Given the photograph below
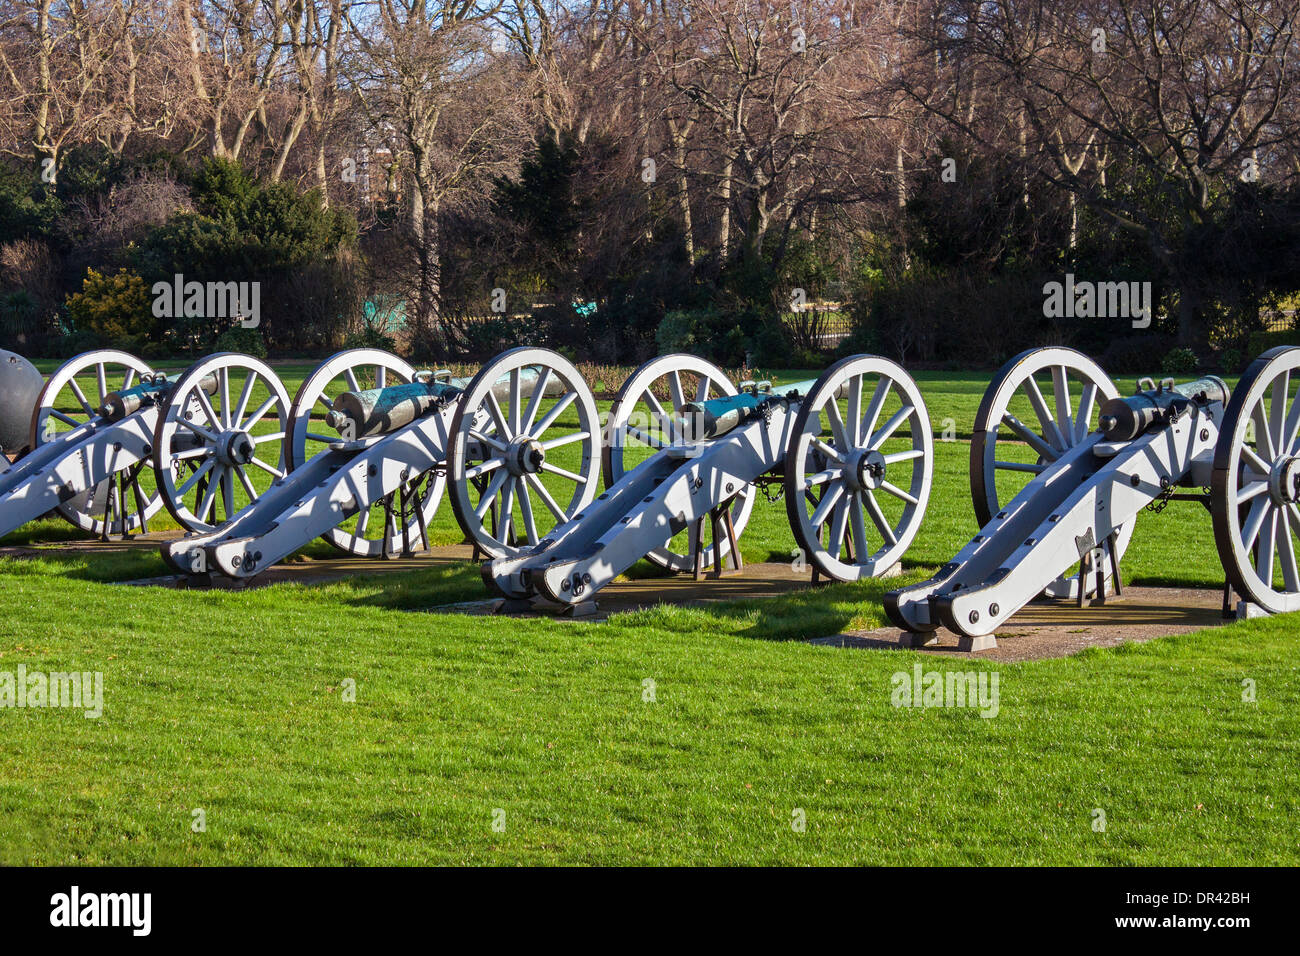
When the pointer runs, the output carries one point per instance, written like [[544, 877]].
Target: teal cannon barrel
[[1124, 419], [381, 411], [699, 421], [151, 390]]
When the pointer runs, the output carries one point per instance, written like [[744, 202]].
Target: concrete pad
[[1059, 628]]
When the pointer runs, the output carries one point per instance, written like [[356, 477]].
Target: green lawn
[[235, 704]]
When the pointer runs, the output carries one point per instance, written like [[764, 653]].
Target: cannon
[[1095, 461], [20, 384], [373, 445], [108, 461], [687, 451]]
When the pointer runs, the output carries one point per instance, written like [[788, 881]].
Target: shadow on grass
[[128, 564], [420, 588], [793, 616]]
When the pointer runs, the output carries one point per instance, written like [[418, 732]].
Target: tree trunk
[[724, 217], [424, 229]]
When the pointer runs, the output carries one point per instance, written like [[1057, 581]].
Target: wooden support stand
[[720, 524]]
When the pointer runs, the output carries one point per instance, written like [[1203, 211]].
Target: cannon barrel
[[1124, 419], [717, 416], [127, 401], [381, 411], [20, 389]]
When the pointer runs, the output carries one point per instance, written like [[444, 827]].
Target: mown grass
[[234, 703]]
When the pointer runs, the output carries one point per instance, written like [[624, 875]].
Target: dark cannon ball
[[20, 387]]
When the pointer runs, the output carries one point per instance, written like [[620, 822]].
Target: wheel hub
[[525, 456], [1284, 481], [864, 470], [235, 448]]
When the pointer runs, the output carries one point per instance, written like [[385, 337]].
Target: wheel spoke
[[643, 437], [526, 509], [1030, 438], [1263, 438], [535, 402], [223, 377], [827, 450], [1291, 435], [490, 493], [564, 401], [563, 473], [81, 397], [506, 522], [66, 419], [1061, 392], [838, 431], [201, 451], [860, 550], [1019, 466], [829, 500], [210, 437], [1251, 490], [876, 405], [101, 381], [209, 499], [262, 409], [899, 493], [498, 416], [853, 416], [1286, 555], [516, 401], [1083, 418], [488, 440], [195, 478], [675, 391], [351, 376], [1045, 419], [1254, 521], [1265, 552], [882, 436], [839, 524], [1261, 467], [228, 493], [245, 394], [1277, 412], [822, 477], [483, 467], [246, 482], [565, 440], [269, 469], [545, 495], [878, 518], [205, 405], [898, 456]]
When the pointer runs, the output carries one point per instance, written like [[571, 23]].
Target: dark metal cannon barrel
[[20, 389], [1124, 419]]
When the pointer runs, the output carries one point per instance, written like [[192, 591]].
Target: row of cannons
[[558, 500]]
